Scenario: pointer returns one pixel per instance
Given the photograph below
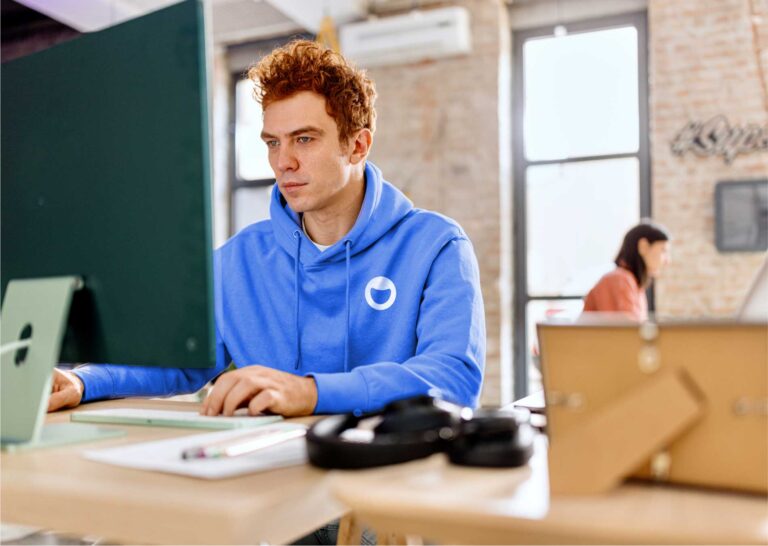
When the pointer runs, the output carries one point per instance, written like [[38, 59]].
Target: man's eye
[[304, 139], [271, 143]]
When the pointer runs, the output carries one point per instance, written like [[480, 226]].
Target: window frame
[[521, 296], [238, 183]]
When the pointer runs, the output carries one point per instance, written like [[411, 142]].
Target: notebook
[[166, 455], [170, 418]]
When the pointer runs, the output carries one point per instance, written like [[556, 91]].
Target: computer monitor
[[105, 175], [106, 178]]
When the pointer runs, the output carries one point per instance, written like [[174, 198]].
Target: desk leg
[[349, 530], [384, 538]]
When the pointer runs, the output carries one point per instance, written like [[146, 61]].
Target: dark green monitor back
[[106, 175]]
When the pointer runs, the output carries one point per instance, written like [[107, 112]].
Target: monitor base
[[61, 434], [34, 318]]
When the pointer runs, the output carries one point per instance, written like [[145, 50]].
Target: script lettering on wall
[[717, 137]]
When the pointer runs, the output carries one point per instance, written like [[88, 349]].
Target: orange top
[[618, 291]]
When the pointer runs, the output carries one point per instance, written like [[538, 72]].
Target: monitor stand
[[34, 318]]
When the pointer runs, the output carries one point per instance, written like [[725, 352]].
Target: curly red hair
[[303, 65]]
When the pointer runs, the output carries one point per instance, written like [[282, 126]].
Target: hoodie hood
[[383, 207]]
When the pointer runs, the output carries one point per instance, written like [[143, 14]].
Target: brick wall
[[705, 58], [438, 141]]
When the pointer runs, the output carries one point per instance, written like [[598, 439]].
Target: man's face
[[311, 166]]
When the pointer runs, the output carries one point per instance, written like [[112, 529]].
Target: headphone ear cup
[[410, 429], [324, 446], [493, 439], [418, 415]]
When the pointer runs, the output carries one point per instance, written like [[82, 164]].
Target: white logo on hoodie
[[380, 283]]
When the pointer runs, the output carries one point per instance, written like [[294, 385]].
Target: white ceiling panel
[[233, 20], [85, 16], [236, 21]]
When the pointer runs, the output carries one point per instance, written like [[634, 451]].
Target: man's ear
[[360, 146]]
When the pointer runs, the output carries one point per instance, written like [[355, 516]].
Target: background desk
[[58, 489], [457, 505]]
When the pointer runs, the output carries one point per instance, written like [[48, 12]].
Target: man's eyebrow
[[300, 131], [307, 129]]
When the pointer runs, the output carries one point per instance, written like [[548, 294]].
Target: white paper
[[165, 455]]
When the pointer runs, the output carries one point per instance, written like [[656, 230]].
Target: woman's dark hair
[[628, 256]]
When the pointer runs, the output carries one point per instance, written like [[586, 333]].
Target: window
[[581, 167], [253, 177]]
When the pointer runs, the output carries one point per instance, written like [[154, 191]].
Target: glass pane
[[251, 160], [581, 94], [250, 205], [577, 214], [540, 311]]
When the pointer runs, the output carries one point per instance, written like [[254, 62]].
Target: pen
[[242, 446]]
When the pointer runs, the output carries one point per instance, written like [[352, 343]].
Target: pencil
[[242, 445]]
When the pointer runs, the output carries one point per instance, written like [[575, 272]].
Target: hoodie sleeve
[[450, 353], [105, 381]]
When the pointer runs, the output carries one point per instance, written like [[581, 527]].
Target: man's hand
[[262, 389], [66, 390]]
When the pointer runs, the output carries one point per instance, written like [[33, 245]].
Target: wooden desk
[[58, 489], [457, 505]]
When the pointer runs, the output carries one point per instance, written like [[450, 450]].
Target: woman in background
[[643, 254]]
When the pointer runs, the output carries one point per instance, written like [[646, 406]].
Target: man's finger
[[204, 409], [241, 393], [61, 399], [263, 401], [215, 399], [55, 401], [59, 380]]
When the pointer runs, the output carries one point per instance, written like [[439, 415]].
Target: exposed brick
[[702, 63], [437, 139]]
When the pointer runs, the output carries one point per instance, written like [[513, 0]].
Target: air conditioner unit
[[416, 36]]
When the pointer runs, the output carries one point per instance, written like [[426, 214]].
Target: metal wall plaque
[[717, 137]]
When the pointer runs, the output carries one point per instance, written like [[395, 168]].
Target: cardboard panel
[[589, 368]]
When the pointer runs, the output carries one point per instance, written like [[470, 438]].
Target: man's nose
[[286, 159]]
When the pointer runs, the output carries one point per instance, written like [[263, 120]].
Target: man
[[348, 297]]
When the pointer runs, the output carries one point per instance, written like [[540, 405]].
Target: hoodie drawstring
[[348, 249], [347, 246], [297, 236]]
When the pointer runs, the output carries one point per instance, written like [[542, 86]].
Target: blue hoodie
[[392, 310]]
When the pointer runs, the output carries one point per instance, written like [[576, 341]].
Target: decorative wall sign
[[717, 137]]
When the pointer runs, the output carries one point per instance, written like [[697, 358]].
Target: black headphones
[[418, 427]]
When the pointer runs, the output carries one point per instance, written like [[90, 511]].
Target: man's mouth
[[290, 188]]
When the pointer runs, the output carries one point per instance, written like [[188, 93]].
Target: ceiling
[[233, 20]]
